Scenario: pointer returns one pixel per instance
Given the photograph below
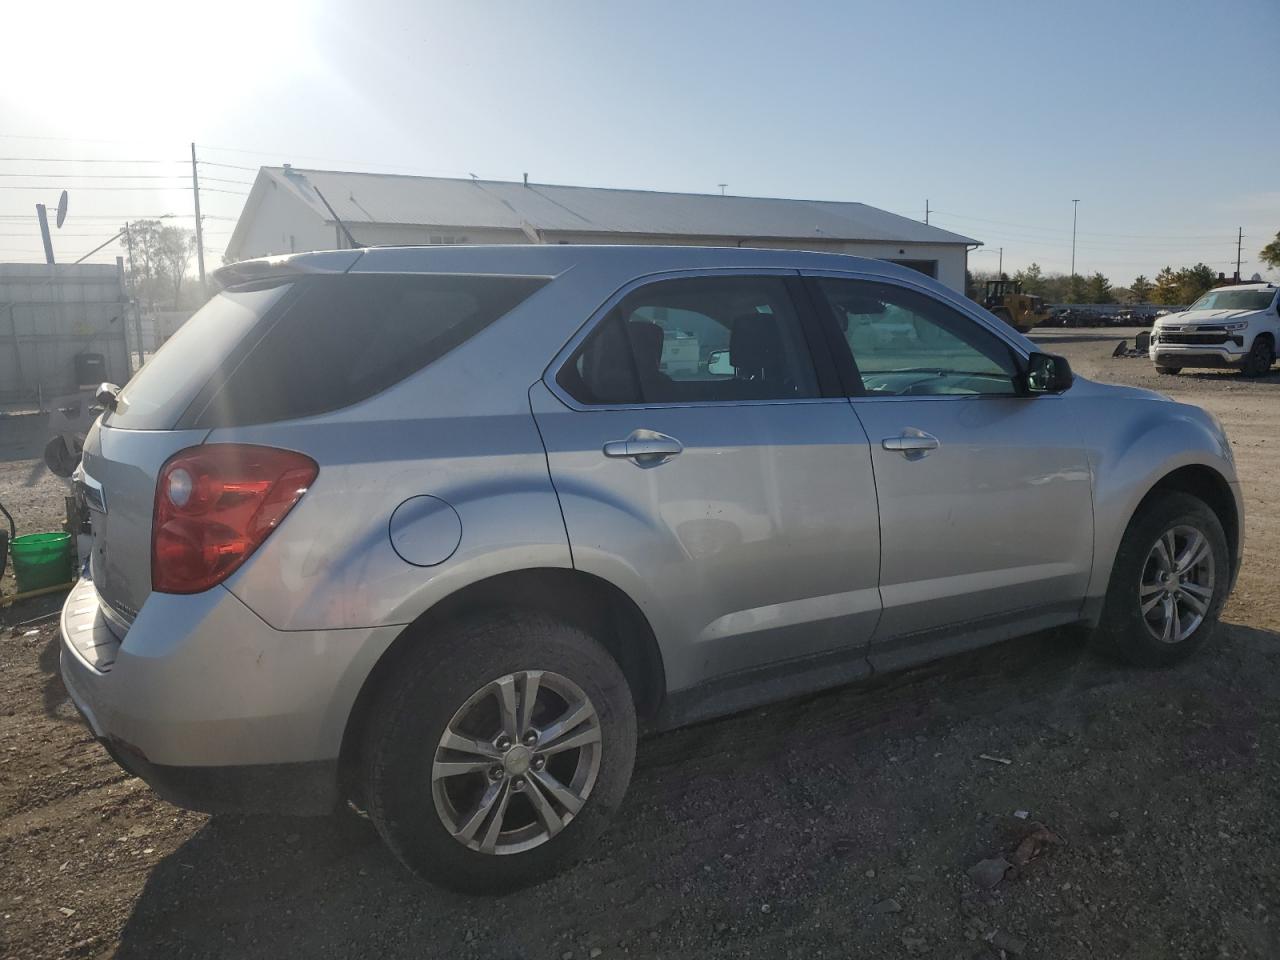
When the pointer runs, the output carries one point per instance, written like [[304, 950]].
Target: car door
[[986, 513], [703, 469]]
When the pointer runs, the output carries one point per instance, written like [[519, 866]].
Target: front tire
[[1261, 358], [1168, 583], [499, 751]]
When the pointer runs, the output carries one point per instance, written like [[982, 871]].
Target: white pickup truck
[[1236, 326]]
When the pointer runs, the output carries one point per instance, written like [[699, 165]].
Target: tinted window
[[694, 340], [343, 339], [162, 390], [907, 343]]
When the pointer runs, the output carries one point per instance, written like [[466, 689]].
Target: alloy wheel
[[1176, 587], [517, 762]]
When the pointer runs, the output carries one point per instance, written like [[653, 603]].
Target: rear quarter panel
[[332, 565]]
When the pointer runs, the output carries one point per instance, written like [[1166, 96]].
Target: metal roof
[[543, 208]]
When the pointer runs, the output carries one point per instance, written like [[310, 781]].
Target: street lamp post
[[1075, 205]]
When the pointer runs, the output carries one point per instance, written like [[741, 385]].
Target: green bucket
[[41, 560]]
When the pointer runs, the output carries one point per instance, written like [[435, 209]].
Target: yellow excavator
[[1019, 310]]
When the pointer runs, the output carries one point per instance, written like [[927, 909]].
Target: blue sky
[[1163, 119]]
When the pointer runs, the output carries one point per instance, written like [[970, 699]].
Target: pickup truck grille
[[1201, 338]]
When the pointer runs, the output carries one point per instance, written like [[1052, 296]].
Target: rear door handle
[[911, 443], [648, 448]]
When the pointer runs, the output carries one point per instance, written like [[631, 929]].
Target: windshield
[[1234, 300]]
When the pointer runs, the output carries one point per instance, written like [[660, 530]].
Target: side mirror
[[1047, 373], [108, 396]]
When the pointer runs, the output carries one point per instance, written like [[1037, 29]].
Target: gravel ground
[[841, 825]]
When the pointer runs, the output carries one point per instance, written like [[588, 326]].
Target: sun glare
[[158, 61]]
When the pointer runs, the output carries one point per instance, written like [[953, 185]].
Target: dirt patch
[[840, 825]]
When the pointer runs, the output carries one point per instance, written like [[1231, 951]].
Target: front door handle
[[648, 448], [911, 443]]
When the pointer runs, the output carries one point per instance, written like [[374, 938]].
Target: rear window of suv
[[336, 340], [161, 391]]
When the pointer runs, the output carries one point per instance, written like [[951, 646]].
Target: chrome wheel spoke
[[490, 841], [528, 698], [1163, 552], [581, 738], [1150, 604], [468, 828], [1197, 603], [563, 795], [1167, 610], [1197, 549], [456, 768], [577, 714], [542, 807], [464, 744], [1200, 592], [1150, 588], [507, 706], [1177, 620]]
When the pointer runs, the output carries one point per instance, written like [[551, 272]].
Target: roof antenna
[[338, 220]]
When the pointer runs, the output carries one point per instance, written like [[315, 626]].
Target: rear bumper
[[213, 708]]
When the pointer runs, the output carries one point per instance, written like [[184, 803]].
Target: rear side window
[[161, 391], [695, 340], [342, 339]]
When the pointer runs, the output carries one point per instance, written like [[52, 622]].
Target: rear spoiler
[[292, 265]]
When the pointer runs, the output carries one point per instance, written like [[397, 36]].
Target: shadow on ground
[[721, 818]]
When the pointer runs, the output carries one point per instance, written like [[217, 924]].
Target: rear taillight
[[215, 504]]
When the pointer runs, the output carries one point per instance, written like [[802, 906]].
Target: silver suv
[[436, 530]]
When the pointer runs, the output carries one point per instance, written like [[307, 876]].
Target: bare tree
[[160, 255]]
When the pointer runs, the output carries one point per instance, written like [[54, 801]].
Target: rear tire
[[1169, 371], [1140, 579], [511, 821]]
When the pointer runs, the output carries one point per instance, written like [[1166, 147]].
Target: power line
[[229, 166], [136, 189], [121, 217], [86, 160], [123, 176]]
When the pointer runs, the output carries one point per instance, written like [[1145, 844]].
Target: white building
[[288, 210]]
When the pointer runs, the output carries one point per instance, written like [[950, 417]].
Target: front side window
[[695, 340], [906, 343]]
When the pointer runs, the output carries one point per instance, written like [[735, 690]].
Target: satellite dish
[[62, 208]]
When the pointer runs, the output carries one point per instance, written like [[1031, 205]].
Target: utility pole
[[1075, 205], [137, 307], [1239, 244], [926, 210], [43, 216], [195, 189], [1000, 269], [722, 186]]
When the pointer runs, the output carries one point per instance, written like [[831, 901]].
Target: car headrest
[[646, 345], [754, 343]]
